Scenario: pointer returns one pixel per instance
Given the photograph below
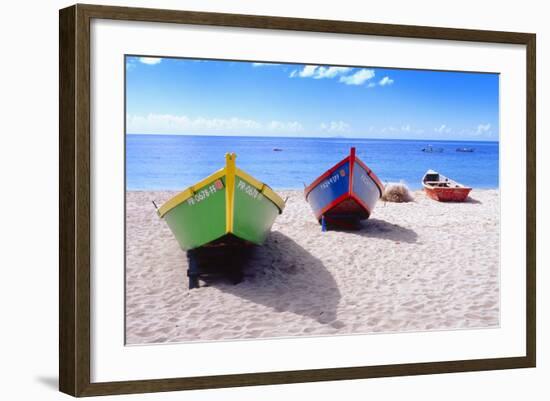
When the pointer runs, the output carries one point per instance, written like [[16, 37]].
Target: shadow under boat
[[376, 228], [469, 199], [279, 274], [221, 258]]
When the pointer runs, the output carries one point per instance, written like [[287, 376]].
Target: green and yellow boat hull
[[228, 203]]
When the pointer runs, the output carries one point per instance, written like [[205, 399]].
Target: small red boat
[[443, 189]]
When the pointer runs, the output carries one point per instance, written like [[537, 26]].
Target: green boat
[[226, 206]]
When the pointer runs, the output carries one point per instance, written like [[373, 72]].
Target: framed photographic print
[[297, 200]]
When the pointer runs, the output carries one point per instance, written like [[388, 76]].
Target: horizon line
[[314, 137]]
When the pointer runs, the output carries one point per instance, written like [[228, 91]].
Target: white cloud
[[391, 128], [318, 72], [150, 60], [483, 129], [308, 71], [330, 72], [285, 126], [442, 129], [403, 129], [385, 81], [335, 126], [359, 78], [172, 124]]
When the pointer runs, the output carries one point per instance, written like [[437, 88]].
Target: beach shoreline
[[415, 266]]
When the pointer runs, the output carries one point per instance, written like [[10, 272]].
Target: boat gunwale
[[188, 192], [352, 158], [443, 189], [372, 175], [263, 188], [331, 170]]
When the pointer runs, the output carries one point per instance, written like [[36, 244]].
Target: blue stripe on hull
[[364, 187], [332, 187]]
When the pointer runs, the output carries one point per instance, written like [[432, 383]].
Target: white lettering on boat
[[365, 178], [248, 189], [329, 181], [204, 194]]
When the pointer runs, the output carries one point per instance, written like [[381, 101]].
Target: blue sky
[[198, 97]]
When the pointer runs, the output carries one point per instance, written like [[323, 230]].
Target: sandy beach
[[413, 266]]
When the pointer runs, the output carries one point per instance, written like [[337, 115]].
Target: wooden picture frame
[[74, 199]]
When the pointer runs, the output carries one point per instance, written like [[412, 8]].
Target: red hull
[[443, 189], [448, 194]]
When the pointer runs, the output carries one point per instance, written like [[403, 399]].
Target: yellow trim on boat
[[229, 190], [188, 192], [264, 189], [229, 171]]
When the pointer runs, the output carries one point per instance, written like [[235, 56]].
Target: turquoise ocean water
[[173, 162]]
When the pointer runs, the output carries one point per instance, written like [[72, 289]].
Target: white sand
[[414, 266]]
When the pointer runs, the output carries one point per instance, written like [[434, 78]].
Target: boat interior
[[438, 181]]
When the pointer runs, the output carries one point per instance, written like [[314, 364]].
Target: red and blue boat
[[346, 193]]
